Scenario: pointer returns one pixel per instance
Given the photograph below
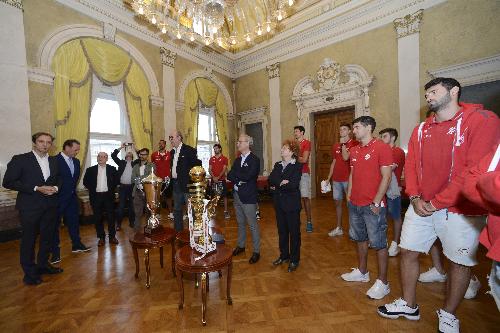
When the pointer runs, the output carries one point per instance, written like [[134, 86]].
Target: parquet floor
[[98, 292]]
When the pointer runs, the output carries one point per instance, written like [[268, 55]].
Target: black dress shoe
[[49, 269], [32, 281], [238, 250], [255, 257], [279, 261], [293, 266]]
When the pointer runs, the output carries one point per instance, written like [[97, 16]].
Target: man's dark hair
[[39, 134], [70, 143], [345, 125], [446, 82], [165, 142], [392, 132], [300, 128], [218, 145], [365, 121], [143, 149]]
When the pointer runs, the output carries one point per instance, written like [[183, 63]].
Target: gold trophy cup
[[152, 185]]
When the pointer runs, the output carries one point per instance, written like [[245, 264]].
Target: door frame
[[253, 116]]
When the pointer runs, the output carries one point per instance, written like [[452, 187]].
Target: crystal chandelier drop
[[231, 24]]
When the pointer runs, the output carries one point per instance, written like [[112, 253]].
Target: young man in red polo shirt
[[305, 180], [217, 167], [339, 173], [440, 152], [371, 163], [161, 159], [389, 136]]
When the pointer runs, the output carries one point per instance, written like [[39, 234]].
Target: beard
[[440, 104]]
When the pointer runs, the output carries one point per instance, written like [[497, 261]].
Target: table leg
[[208, 281], [203, 298], [148, 269], [173, 257], [161, 256], [229, 275], [181, 287], [196, 283], [136, 259], [220, 274]]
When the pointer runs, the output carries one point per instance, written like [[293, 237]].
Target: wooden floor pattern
[[98, 292]]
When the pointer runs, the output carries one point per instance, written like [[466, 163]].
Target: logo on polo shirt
[[367, 156], [451, 130]]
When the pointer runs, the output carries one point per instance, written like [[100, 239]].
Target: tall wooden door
[[326, 133]]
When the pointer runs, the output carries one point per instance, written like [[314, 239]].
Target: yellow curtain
[[138, 105], [73, 64], [72, 87], [191, 114]]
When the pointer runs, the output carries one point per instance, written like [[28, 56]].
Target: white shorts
[[459, 234], [305, 185]]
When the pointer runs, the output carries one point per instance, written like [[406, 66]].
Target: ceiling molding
[[478, 71], [332, 25]]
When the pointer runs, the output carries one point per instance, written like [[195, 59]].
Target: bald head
[[175, 138], [102, 158]]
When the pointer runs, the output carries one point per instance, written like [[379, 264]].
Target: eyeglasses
[[170, 137], [143, 154]]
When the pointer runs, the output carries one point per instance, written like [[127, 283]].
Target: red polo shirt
[[341, 168], [365, 167], [162, 163], [398, 157], [217, 164], [305, 145]]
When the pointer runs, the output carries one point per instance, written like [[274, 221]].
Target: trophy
[[200, 212], [151, 187]]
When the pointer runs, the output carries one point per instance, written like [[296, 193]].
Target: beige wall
[[455, 32]]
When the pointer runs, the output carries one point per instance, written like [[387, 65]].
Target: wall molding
[[14, 3], [61, 35], [41, 75], [252, 116], [470, 73], [208, 74]]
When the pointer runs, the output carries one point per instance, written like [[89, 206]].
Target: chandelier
[[231, 24]]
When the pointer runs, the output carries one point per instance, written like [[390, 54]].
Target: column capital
[[167, 57], [408, 24], [273, 71], [15, 3]]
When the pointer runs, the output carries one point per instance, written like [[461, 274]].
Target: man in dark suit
[[124, 177], [184, 157], [244, 175], [36, 178], [69, 170], [100, 180]]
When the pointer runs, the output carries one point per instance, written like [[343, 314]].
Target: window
[[207, 135], [108, 127]]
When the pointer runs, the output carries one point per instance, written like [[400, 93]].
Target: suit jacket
[[121, 163], [245, 177], [69, 182], [286, 197], [23, 174], [90, 180], [136, 174], [188, 158]]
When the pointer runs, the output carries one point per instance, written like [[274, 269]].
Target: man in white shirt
[[101, 180], [35, 176]]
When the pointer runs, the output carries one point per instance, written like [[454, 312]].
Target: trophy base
[[152, 231]]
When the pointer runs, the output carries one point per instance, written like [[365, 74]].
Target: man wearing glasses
[[184, 157], [140, 171]]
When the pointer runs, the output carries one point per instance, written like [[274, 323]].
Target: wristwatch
[[377, 205]]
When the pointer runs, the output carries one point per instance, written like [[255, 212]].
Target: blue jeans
[[180, 199], [365, 225], [394, 208]]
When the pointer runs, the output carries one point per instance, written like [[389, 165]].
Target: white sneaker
[[432, 275], [393, 249], [473, 288], [399, 308], [336, 232], [379, 290], [448, 323], [171, 216], [356, 276]]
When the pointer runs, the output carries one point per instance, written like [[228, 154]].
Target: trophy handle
[[137, 182], [166, 181]]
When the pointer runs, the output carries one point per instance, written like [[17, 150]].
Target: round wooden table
[[148, 242], [212, 262]]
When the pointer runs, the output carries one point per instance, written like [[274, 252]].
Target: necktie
[[71, 166]]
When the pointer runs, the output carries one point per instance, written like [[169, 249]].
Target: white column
[[169, 119], [407, 29], [14, 97], [275, 110]]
